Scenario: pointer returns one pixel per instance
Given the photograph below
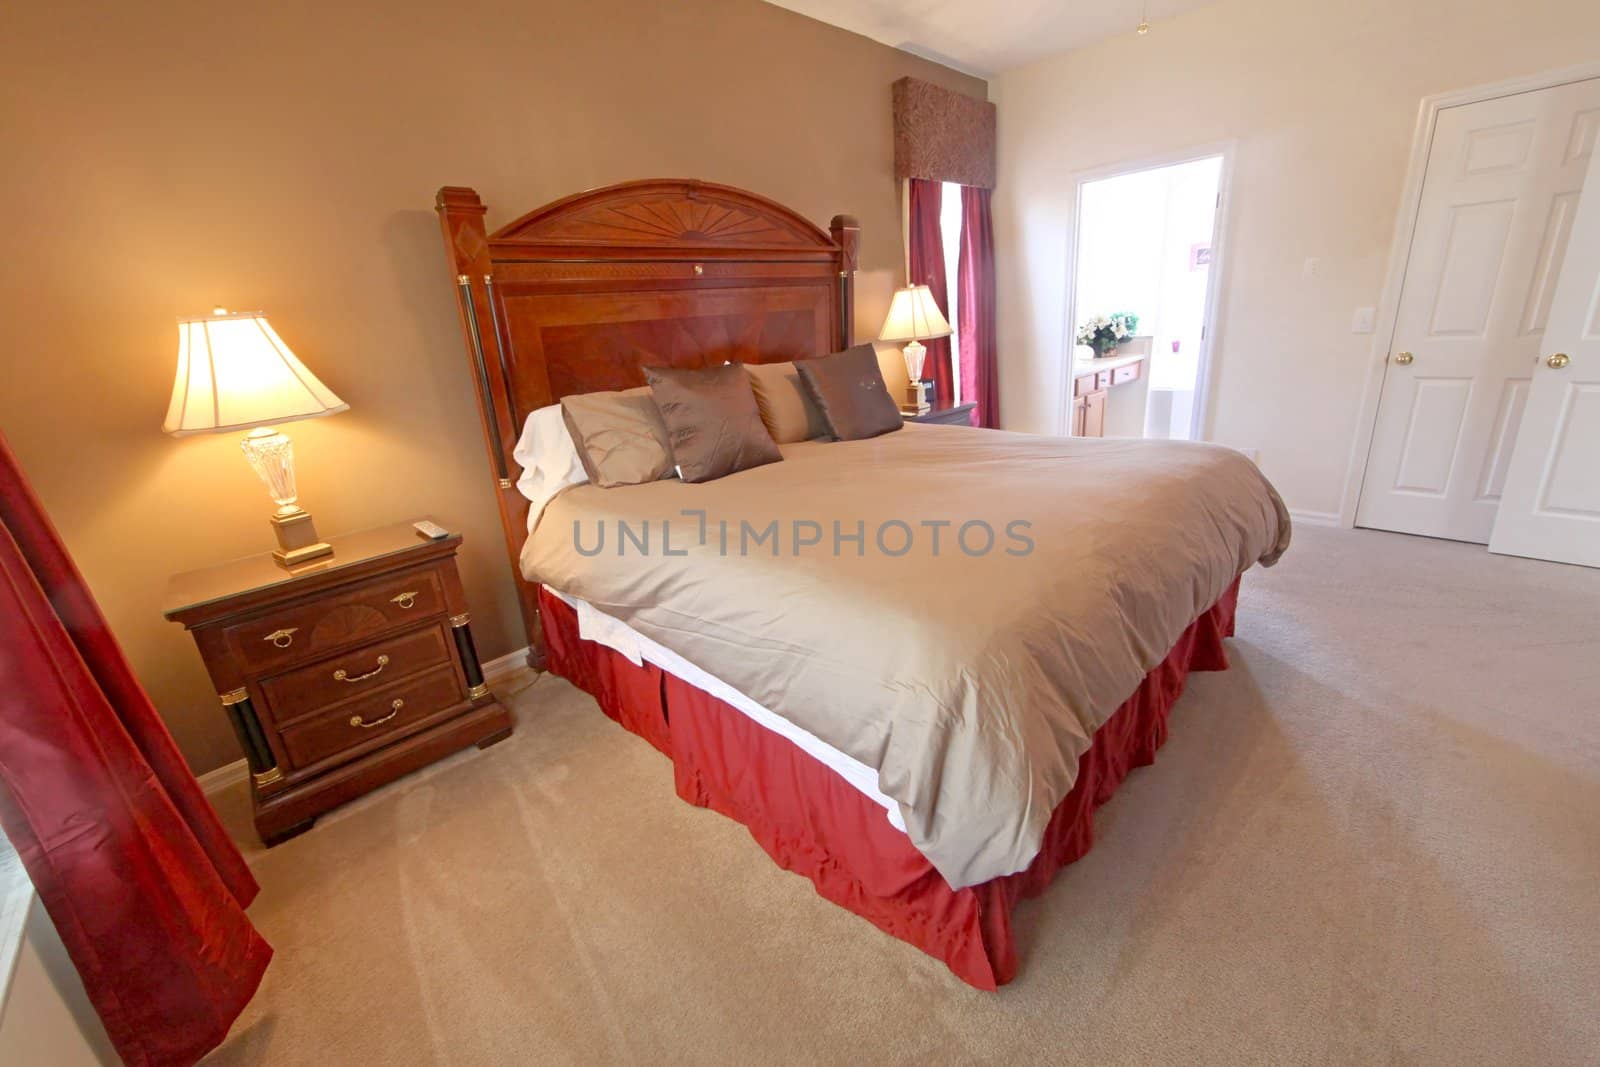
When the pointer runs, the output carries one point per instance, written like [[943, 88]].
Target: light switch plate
[[1365, 320]]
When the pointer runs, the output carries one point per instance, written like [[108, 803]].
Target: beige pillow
[[620, 436], [789, 414], [712, 420]]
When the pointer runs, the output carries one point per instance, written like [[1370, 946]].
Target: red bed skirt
[[813, 823]]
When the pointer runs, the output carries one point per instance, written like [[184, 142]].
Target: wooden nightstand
[[343, 673], [960, 415]]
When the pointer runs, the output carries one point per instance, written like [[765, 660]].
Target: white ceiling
[[985, 37]]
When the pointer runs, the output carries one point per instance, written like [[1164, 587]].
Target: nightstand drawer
[[301, 632], [307, 690], [372, 718]]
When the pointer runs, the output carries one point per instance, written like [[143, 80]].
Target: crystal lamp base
[[271, 455]]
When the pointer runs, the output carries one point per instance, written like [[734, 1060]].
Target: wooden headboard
[[577, 296]]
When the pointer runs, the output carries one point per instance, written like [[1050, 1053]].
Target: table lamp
[[235, 373], [914, 318]]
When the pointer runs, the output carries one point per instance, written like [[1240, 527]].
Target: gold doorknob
[[1558, 360], [1403, 358]]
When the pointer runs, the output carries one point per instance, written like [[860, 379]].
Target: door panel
[[1551, 507], [1438, 410], [1552, 251], [1581, 143], [1473, 255], [1571, 486], [1513, 399], [1499, 148], [1494, 224]]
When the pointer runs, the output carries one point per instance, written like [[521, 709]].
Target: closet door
[[1498, 203], [1551, 507]]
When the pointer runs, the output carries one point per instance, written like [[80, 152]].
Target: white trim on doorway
[[1400, 254], [1217, 283]]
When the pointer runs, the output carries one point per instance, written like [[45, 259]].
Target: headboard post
[[846, 232], [466, 241]]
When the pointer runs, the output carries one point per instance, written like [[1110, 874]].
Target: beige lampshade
[[913, 316], [235, 372]]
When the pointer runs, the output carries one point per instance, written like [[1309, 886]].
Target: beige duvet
[[971, 671]]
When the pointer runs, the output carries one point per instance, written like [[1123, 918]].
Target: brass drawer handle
[[282, 638], [340, 675], [356, 720], [405, 600]]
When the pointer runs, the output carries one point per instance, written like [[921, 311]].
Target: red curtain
[[980, 372], [927, 268], [139, 877]]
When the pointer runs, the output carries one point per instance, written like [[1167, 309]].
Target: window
[[950, 232]]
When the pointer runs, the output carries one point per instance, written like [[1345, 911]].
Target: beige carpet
[[1375, 840]]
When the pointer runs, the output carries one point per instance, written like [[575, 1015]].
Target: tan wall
[[1322, 100], [161, 158]]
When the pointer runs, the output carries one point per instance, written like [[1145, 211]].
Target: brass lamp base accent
[[916, 402], [297, 539]]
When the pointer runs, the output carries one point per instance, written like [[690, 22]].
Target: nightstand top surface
[[950, 414], [194, 589]]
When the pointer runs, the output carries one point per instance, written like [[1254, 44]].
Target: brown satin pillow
[[788, 412], [620, 436], [712, 420], [848, 389]]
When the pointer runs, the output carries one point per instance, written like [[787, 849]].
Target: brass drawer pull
[[405, 600], [397, 704], [282, 638], [341, 676]]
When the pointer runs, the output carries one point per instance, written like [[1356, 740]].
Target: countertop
[[1090, 366]]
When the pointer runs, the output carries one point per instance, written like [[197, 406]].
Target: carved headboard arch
[[675, 217], [580, 294]]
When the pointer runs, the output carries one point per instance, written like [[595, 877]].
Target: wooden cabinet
[[341, 674], [1090, 392], [1094, 414]]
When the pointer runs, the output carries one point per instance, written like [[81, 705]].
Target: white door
[[1496, 213], [1551, 507]]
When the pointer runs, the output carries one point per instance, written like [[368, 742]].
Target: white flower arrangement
[[1105, 332]]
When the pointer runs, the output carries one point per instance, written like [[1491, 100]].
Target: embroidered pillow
[[848, 389]]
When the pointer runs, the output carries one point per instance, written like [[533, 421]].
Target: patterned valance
[[942, 136]]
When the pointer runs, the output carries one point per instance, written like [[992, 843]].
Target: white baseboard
[[509, 663], [231, 774], [1315, 518], [224, 777]]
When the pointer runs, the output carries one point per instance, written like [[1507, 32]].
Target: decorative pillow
[[549, 459], [620, 436], [712, 420], [789, 414], [848, 389]]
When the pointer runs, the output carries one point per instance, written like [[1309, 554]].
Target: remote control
[[431, 530]]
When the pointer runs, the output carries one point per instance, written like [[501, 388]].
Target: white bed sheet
[[595, 625]]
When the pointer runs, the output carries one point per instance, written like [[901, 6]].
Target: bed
[[923, 735]]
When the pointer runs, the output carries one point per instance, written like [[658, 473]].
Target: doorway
[[1494, 218], [1145, 248]]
